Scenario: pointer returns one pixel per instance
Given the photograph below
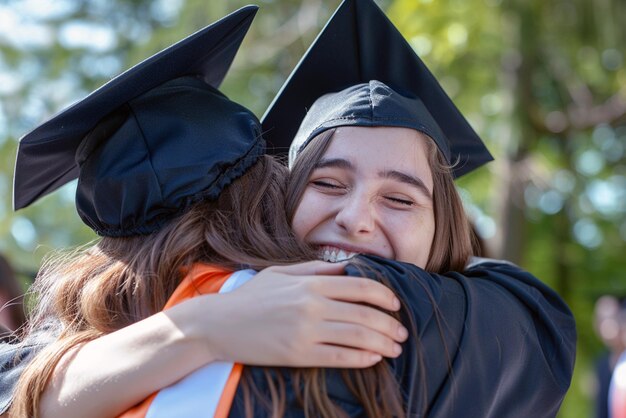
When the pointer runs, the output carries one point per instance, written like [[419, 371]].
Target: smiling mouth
[[334, 254]]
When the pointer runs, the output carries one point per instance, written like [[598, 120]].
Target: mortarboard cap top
[[357, 46], [150, 142]]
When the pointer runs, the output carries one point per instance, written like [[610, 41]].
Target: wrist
[[190, 329]]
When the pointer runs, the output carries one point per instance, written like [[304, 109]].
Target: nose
[[356, 215]]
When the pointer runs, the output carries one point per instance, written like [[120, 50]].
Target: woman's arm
[[286, 316], [495, 324]]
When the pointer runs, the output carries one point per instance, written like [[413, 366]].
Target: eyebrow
[[388, 174], [334, 163], [407, 179]]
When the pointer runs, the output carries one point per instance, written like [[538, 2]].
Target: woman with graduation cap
[[372, 166], [491, 342], [172, 174]]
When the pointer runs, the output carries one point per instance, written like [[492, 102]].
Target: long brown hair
[[106, 286]]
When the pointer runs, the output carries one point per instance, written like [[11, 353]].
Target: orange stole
[[201, 280]]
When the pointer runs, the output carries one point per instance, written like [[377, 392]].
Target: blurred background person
[[608, 323], [11, 299], [617, 386]]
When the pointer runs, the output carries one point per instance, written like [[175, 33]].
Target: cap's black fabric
[[161, 152], [150, 142], [368, 104], [358, 45]]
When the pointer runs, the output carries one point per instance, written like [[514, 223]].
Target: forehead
[[379, 149]]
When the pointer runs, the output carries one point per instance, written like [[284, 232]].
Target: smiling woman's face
[[371, 193]]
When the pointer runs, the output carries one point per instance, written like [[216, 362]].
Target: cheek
[[304, 216], [413, 239], [298, 225]]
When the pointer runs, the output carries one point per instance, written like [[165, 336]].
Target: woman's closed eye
[[327, 184], [400, 200]]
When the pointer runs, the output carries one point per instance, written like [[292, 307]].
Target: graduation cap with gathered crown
[[150, 142], [360, 71]]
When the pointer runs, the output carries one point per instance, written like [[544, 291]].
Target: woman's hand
[[303, 315]]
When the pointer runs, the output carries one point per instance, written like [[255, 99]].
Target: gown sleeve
[[495, 341]]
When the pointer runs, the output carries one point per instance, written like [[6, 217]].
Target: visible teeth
[[334, 255], [327, 255], [341, 255]]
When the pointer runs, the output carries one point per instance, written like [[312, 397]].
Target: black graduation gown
[[509, 339]]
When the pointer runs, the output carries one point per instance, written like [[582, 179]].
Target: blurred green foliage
[[543, 82]]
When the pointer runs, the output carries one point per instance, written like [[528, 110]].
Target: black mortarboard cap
[[151, 141], [362, 51]]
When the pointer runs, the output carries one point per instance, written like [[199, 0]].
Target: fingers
[[319, 275], [358, 289], [312, 268], [325, 355], [360, 337], [371, 318]]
